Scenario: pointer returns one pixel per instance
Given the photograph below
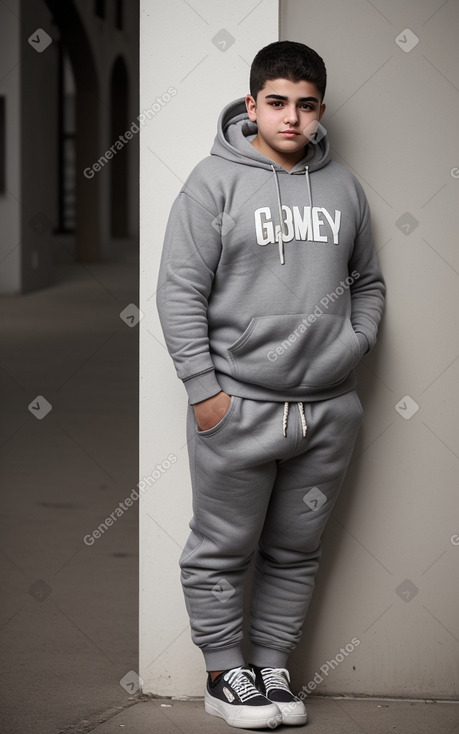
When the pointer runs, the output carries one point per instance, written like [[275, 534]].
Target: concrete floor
[[69, 610], [326, 716], [68, 619]]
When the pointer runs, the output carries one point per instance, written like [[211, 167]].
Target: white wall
[[177, 51], [392, 118]]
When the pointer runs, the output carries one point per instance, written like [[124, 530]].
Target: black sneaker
[[274, 684], [233, 697]]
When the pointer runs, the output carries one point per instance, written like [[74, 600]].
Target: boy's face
[[286, 113]]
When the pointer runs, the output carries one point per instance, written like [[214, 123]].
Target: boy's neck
[[287, 161]]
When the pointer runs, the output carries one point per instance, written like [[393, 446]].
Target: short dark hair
[[287, 60]]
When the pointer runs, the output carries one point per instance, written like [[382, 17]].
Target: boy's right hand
[[210, 412]]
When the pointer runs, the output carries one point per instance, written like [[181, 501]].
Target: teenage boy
[[269, 295]]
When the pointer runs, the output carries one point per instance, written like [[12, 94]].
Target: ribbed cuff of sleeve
[[363, 341], [201, 387]]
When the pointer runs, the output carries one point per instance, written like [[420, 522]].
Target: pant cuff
[[267, 657], [223, 658]]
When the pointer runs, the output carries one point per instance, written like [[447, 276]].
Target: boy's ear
[[251, 105]]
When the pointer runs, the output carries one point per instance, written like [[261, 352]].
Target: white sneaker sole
[[244, 717], [293, 714]]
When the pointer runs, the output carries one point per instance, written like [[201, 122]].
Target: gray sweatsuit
[[270, 290]]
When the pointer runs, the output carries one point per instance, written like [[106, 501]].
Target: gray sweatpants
[[256, 490]]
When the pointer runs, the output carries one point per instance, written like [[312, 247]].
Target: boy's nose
[[291, 114]]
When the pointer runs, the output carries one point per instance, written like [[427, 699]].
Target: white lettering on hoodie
[[304, 226]]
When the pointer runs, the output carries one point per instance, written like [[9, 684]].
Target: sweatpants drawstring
[[303, 419], [304, 426], [285, 419]]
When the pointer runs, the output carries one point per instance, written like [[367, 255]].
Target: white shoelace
[[275, 678], [242, 682]]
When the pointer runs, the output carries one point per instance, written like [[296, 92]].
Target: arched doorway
[[87, 148]]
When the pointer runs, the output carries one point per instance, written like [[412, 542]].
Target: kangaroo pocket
[[289, 351]]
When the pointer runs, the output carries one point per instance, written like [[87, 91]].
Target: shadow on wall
[[346, 637]]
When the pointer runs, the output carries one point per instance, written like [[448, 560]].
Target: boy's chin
[[294, 150]]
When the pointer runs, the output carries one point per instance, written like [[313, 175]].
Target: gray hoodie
[[269, 286]]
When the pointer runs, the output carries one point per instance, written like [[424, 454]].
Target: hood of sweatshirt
[[269, 285], [235, 133]]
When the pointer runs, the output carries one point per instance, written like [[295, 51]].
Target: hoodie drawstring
[[280, 235], [308, 184], [281, 230], [304, 426]]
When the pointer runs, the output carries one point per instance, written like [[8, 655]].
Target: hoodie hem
[[257, 392]]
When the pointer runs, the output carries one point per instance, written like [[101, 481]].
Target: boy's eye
[[303, 106]]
